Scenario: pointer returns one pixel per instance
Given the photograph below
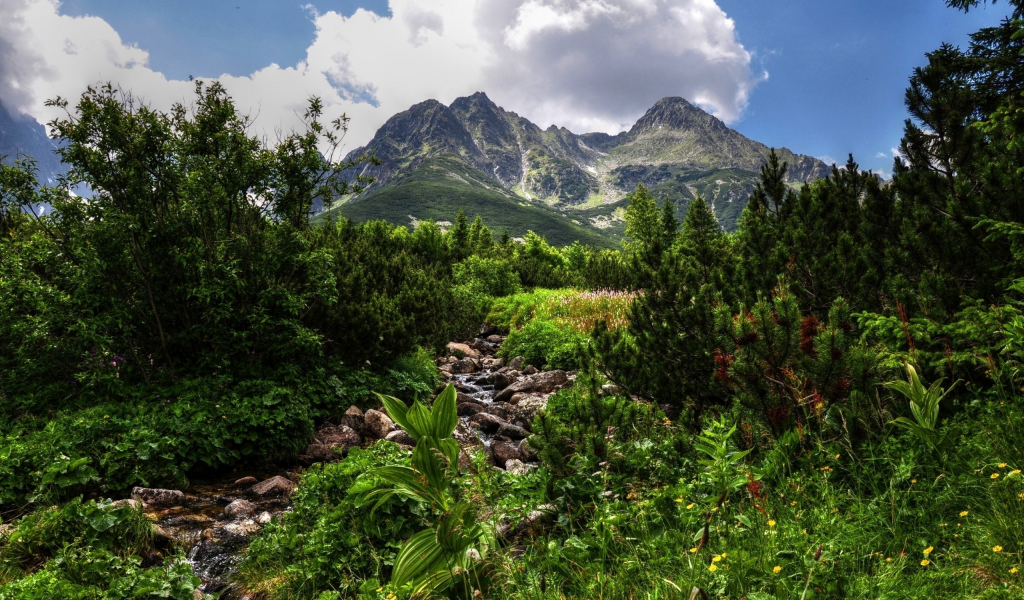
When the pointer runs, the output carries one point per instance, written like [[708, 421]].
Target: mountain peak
[[673, 112]]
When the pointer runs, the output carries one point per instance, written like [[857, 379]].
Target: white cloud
[[585, 64]]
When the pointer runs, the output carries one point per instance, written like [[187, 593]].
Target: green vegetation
[[825, 403]]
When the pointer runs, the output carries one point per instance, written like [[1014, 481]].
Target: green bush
[[544, 345], [332, 540]]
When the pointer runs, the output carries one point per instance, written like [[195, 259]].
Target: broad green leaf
[[445, 413]]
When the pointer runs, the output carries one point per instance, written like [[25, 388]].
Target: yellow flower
[[771, 523], [693, 550], [793, 503], [804, 532], [925, 562], [380, 589], [888, 560], [713, 568], [1021, 495], [994, 476], [716, 559], [1013, 571], [1002, 465], [1015, 472], [689, 506], [997, 549], [679, 500], [776, 569], [928, 550], [913, 481], [964, 513], [725, 555]]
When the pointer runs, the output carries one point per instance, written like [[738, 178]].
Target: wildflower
[[994, 476], [380, 589], [928, 550], [1021, 495], [716, 559], [888, 559], [925, 562], [776, 569], [1002, 465], [693, 550], [1013, 571], [689, 506], [804, 532], [964, 513], [679, 500], [725, 555], [771, 523], [1015, 472], [997, 549], [793, 503], [713, 568], [913, 481]]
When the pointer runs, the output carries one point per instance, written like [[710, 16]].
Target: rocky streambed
[[213, 521]]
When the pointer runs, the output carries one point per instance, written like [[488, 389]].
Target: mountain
[[480, 157], [22, 135]]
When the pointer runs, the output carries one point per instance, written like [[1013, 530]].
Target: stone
[[492, 363], [526, 450], [378, 423], [539, 383], [516, 398], [464, 365], [527, 408], [243, 529], [462, 350], [264, 518], [518, 467], [499, 410], [513, 432], [468, 409], [315, 453], [130, 502], [461, 397], [275, 486], [401, 437], [530, 370], [495, 339], [239, 508], [158, 497], [245, 481], [353, 418], [516, 364], [486, 422], [500, 381], [338, 436], [504, 452], [465, 435]]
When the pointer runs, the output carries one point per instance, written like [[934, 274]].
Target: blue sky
[[837, 70]]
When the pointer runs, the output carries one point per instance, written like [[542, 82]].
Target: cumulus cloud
[[590, 65]]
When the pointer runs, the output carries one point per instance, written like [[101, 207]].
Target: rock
[[243, 529], [338, 437], [401, 437], [482, 347], [239, 508], [539, 383], [610, 389], [516, 364], [486, 422], [378, 423], [462, 350], [513, 432], [487, 329], [275, 486], [197, 595], [461, 397], [445, 368], [245, 481], [499, 380], [492, 363], [465, 436], [130, 502], [499, 410], [264, 518], [518, 467], [465, 365], [527, 408], [504, 452], [530, 370], [526, 450], [495, 339], [353, 418], [515, 399], [315, 453], [468, 409], [158, 497]]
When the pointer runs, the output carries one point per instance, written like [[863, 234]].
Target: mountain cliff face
[[21, 135], [676, 149]]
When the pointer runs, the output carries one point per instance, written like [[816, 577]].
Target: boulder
[[461, 397], [539, 383], [515, 399], [486, 422], [504, 452], [465, 435], [245, 481], [130, 502], [464, 365], [315, 453], [462, 350], [378, 423], [513, 431], [526, 450], [275, 486], [498, 409], [495, 339], [468, 409], [518, 467], [400, 437], [527, 408], [338, 437], [516, 364], [239, 508], [158, 497], [264, 518], [482, 347], [353, 418], [500, 380], [530, 370], [492, 363]]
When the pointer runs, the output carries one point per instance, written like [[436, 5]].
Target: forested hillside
[[207, 392]]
